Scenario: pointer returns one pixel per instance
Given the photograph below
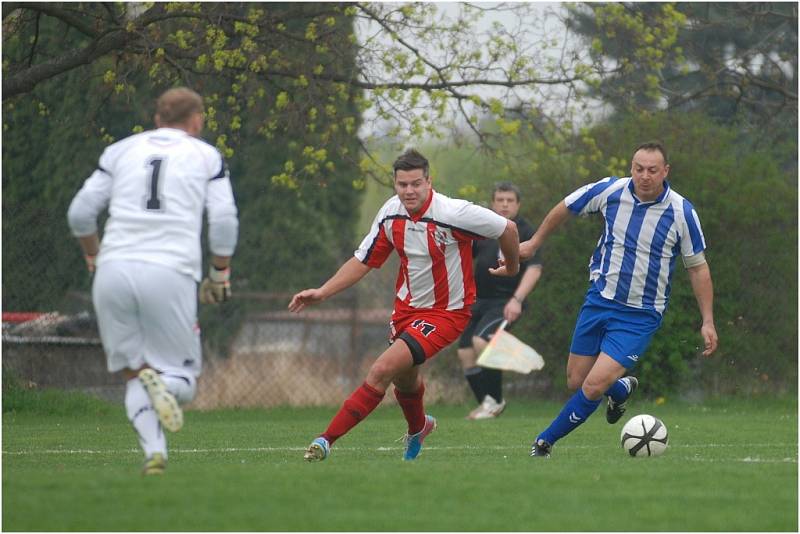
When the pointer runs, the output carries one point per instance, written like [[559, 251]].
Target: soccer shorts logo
[[423, 326]]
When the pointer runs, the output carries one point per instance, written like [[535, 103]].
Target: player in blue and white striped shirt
[[647, 227]]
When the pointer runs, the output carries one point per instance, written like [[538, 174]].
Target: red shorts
[[426, 331]]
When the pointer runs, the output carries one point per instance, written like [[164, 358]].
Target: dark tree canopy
[[735, 60]]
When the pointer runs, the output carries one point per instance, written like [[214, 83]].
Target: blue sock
[[619, 390], [575, 411]]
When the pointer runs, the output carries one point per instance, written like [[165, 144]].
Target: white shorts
[[147, 314]]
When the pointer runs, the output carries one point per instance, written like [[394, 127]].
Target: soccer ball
[[644, 435]]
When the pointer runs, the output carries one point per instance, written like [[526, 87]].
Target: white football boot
[[489, 408], [164, 403]]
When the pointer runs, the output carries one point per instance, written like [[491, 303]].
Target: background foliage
[[310, 102], [74, 116], [737, 61], [746, 199]]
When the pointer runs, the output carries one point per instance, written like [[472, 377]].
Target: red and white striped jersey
[[435, 248]]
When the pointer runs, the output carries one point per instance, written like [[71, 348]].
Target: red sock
[[357, 406], [413, 409]]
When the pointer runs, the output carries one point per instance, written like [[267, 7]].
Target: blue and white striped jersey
[[635, 255]]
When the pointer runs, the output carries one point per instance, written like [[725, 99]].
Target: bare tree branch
[[26, 79], [53, 10], [35, 40]]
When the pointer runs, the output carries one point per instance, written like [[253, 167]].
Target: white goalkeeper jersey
[[156, 185], [435, 248]]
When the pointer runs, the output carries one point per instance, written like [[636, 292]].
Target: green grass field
[[72, 464]]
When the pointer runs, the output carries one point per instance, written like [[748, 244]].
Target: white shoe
[[475, 412], [164, 403], [489, 408]]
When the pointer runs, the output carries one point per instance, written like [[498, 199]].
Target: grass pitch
[[70, 463]]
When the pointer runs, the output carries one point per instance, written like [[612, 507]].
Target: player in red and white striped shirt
[[433, 236]]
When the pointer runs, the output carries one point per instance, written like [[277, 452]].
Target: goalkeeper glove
[[216, 287]]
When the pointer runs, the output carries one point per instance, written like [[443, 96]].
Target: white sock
[[144, 419], [182, 386]]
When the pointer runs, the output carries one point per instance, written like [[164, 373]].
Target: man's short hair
[[653, 145], [506, 187], [177, 105], [410, 160]]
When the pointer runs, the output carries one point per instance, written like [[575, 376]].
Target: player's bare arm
[[220, 262], [527, 249], [509, 246], [513, 309], [555, 218], [90, 244], [703, 287], [348, 274]]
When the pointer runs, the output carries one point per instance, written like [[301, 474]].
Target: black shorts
[[487, 314]]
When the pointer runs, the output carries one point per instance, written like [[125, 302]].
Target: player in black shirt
[[499, 297]]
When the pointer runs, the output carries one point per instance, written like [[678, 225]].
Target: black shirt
[[486, 252]]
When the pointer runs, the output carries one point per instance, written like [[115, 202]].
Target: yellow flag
[[508, 353]]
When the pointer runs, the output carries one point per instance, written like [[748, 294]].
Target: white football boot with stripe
[[167, 408]]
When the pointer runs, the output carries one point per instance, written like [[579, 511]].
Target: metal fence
[[268, 356], [258, 354]]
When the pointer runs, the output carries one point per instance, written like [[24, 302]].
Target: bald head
[[178, 107]]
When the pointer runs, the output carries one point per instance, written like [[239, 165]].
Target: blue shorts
[[620, 331]]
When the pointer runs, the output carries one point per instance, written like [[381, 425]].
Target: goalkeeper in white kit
[[156, 185]]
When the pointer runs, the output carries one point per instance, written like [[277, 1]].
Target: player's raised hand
[[307, 297]]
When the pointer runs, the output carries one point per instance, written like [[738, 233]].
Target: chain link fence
[[267, 357], [258, 354]]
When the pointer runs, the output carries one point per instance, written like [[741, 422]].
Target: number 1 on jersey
[[153, 202]]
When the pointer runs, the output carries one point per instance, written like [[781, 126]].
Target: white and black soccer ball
[[644, 435]]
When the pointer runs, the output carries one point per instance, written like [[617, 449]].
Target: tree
[[415, 65], [286, 85], [736, 61], [54, 134], [747, 203]]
